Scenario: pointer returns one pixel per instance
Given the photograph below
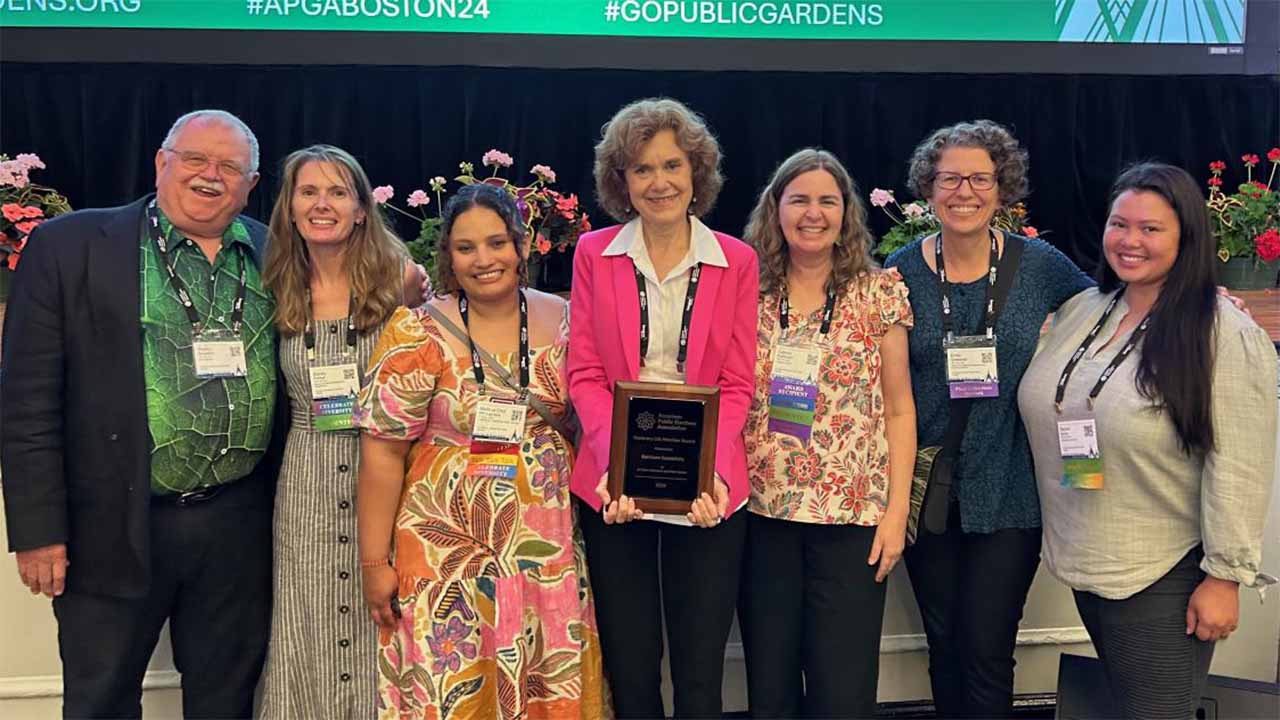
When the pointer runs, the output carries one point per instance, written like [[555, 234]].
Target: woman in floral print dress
[[830, 443], [485, 610]]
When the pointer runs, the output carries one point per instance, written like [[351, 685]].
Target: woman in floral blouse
[[830, 443], [485, 611]]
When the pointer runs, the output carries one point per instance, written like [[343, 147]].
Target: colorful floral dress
[[841, 477], [497, 616]]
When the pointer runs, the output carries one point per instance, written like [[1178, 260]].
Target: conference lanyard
[[944, 287], [1129, 345], [784, 312], [309, 332], [237, 310], [683, 349], [476, 365]]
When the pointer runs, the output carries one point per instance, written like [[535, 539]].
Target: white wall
[[30, 679]]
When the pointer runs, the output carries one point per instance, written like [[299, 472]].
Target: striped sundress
[[322, 659]]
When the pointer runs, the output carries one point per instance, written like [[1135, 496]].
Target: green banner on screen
[[1108, 21]]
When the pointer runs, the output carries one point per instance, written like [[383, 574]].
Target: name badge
[[333, 396], [1081, 458], [218, 354], [793, 390], [495, 438], [499, 420], [971, 366]]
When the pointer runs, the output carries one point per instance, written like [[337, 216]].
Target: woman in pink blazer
[[657, 170]]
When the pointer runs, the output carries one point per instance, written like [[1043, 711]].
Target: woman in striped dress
[[337, 272]]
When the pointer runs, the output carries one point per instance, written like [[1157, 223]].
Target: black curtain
[[97, 126]]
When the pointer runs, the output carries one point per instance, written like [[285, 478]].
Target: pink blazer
[[604, 346]]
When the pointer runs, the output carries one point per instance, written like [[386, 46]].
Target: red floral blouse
[[841, 476]]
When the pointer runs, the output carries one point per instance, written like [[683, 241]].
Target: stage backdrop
[[97, 126]]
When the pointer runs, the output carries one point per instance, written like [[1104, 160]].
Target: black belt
[[191, 497]]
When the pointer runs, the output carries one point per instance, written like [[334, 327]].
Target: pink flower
[[1215, 181], [418, 198], [1274, 154], [567, 204], [1268, 245], [26, 227], [31, 211], [544, 173], [1249, 159], [914, 210], [12, 262], [383, 193], [881, 198], [1030, 231], [13, 173], [1217, 166], [12, 212], [543, 245], [29, 161], [496, 158]]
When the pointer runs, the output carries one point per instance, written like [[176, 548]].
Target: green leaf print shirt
[[204, 431]]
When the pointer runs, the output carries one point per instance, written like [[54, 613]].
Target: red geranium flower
[[1249, 159], [26, 227], [1268, 245], [1274, 154], [1217, 166], [1215, 181]]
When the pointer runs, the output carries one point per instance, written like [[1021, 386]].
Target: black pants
[[1155, 669], [971, 589], [211, 579], [699, 582], [810, 606]]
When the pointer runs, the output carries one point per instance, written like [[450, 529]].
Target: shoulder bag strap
[[503, 374]]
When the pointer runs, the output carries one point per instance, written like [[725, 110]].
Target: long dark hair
[[1176, 365]]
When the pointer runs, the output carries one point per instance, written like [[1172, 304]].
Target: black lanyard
[[944, 287], [309, 333], [237, 310], [1134, 338], [689, 296], [784, 312], [476, 364]]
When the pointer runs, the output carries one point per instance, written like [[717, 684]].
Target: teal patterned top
[[204, 431]]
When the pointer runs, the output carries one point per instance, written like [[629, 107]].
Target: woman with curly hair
[[473, 569], [971, 576], [657, 172], [830, 446]]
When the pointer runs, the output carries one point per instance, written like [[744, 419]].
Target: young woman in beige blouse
[[1151, 409], [830, 445]]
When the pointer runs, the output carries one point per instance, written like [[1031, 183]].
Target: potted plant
[[553, 221], [1246, 224], [23, 206]]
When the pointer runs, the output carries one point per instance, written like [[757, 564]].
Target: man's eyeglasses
[[952, 181], [197, 162]]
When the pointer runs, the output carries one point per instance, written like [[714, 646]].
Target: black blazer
[[74, 439]]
